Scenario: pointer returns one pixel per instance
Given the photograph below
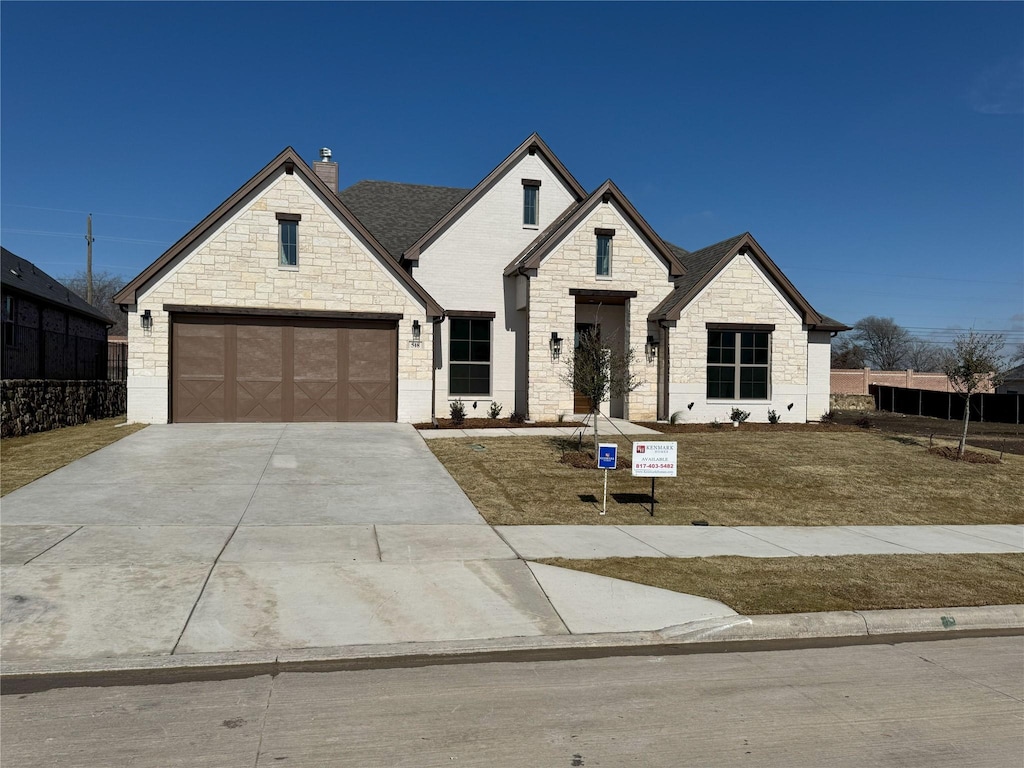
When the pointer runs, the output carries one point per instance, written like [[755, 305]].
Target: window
[[288, 240], [604, 255], [8, 321], [738, 363], [531, 200], [469, 369]]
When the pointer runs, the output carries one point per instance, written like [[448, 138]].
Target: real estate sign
[[654, 459]]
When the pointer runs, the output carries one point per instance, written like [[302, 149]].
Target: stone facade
[[741, 293], [572, 264], [35, 405], [237, 266]]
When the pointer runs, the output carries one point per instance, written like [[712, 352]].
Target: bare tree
[[104, 286], [847, 353], [975, 363], [886, 344], [596, 369], [924, 355]]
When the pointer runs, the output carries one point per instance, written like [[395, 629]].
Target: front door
[[581, 402]]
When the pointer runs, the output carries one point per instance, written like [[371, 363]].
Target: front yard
[[739, 477], [24, 459], [804, 584]]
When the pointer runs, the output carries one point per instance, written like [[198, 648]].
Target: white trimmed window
[[739, 362]]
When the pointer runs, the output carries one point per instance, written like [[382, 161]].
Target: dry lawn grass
[[732, 477], [851, 582], [24, 459]]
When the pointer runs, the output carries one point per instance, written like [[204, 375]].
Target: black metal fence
[[48, 355], [117, 361], [1003, 409]]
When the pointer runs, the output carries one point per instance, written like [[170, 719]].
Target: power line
[[76, 235], [119, 215]]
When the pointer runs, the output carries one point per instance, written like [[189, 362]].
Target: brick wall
[[857, 381]]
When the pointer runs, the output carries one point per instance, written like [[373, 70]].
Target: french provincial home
[[297, 300]]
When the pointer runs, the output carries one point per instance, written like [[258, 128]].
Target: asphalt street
[[951, 702]]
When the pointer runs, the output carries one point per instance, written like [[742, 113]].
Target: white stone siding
[[819, 369], [741, 293], [463, 270], [572, 264], [237, 266]]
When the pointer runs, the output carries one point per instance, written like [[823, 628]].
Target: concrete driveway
[[206, 538]]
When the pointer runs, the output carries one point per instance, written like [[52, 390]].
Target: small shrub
[[675, 417], [495, 410], [561, 418], [863, 422], [457, 408], [773, 417], [517, 418], [716, 424], [828, 417], [739, 415]]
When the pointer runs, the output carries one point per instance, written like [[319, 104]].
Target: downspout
[[434, 345], [665, 399]]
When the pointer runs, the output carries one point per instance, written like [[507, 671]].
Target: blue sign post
[[607, 453]]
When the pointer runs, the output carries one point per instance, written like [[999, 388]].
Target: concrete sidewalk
[[534, 542]]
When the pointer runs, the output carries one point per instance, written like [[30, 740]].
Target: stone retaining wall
[[35, 405], [852, 402]]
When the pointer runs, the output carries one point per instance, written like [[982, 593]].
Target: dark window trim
[[737, 329], [288, 216], [759, 327], [604, 232], [531, 182], [470, 313]]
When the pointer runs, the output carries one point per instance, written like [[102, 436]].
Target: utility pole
[[88, 261]]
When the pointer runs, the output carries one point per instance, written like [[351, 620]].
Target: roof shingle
[[22, 275]]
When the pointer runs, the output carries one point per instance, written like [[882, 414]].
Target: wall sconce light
[[789, 407], [689, 407], [556, 345], [416, 330], [147, 320], [651, 348]]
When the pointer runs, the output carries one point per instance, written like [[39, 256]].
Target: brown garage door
[[273, 369]]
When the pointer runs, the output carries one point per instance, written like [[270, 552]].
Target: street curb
[[732, 633]]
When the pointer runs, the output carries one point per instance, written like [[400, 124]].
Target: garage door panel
[[283, 369]]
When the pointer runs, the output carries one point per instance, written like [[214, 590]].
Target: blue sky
[[876, 151]]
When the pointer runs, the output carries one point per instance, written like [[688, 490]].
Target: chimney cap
[[325, 155]]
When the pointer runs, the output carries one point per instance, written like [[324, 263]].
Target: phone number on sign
[[640, 465]]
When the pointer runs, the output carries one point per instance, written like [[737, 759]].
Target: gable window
[[531, 202], [288, 239], [738, 362], [469, 356], [8, 321], [603, 267]]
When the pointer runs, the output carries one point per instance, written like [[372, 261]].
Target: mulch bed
[[493, 423], [586, 460], [748, 426], [970, 457]]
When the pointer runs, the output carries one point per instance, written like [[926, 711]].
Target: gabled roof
[[291, 162], [397, 214], [705, 265], [534, 144], [546, 241], [22, 275]]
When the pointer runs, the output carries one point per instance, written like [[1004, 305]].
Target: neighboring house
[[293, 301], [49, 332], [1013, 382]]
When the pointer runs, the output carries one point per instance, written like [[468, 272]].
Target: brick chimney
[[326, 170]]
